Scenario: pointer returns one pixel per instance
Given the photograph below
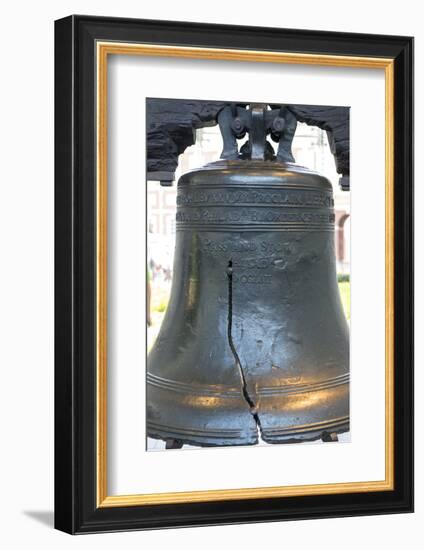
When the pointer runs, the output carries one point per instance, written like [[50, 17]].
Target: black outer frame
[[75, 274]]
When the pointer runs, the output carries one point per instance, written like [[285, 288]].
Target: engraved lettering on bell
[[254, 345], [288, 198]]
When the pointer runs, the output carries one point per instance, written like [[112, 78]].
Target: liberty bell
[[254, 344]]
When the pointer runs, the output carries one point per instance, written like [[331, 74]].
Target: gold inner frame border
[[103, 50]]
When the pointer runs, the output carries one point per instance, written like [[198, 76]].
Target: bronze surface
[[264, 351]]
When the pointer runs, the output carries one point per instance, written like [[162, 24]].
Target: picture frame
[[83, 45]]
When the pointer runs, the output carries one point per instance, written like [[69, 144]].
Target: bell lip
[[248, 438], [274, 172], [280, 427]]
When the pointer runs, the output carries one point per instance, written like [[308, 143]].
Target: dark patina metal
[[254, 342]]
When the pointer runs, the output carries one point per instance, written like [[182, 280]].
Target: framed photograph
[[234, 274]]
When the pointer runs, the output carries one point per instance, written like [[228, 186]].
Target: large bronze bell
[[254, 340]]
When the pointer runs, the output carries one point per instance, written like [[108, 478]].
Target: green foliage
[[344, 289], [161, 306], [343, 277]]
